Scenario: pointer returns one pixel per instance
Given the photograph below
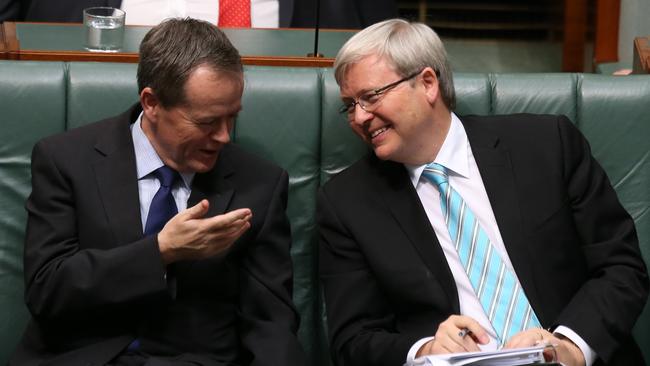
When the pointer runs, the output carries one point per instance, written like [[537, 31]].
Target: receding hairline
[[216, 72]]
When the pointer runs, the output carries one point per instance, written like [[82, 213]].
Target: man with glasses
[[151, 239], [461, 234]]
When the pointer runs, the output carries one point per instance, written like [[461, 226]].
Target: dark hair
[[171, 50]]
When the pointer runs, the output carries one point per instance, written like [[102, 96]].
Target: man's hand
[[451, 338], [190, 236], [567, 352]]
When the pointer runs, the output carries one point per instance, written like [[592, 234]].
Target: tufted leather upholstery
[[290, 116]]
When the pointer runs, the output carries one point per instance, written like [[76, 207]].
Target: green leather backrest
[[28, 111], [614, 115], [290, 116], [276, 122], [99, 90], [534, 93], [473, 93]]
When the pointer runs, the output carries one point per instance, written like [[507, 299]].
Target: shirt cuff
[[416, 347], [588, 352]]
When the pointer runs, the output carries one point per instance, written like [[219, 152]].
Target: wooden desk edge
[[10, 49], [34, 55]]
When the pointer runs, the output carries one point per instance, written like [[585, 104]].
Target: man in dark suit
[[401, 254], [108, 280], [72, 10]]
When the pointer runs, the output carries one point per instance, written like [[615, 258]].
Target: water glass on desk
[[104, 29]]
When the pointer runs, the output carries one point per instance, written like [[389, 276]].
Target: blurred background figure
[[345, 14], [9, 10], [263, 13]]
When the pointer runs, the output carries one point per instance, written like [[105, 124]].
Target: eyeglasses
[[368, 101]]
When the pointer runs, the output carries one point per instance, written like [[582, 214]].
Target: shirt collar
[[453, 153], [146, 158]]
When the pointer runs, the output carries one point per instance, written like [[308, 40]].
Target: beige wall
[[634, 22]]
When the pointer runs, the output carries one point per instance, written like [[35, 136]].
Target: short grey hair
[[407, 46]]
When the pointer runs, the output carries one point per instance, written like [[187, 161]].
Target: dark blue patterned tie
[[163, 207]]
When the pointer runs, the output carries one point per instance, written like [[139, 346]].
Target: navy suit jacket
[[573, 246], [93, 282]]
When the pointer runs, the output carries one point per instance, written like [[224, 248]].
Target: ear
[[150, 104], [430, 83]]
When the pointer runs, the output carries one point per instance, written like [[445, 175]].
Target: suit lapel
[[117, 181], [405, 207], [494, 163]]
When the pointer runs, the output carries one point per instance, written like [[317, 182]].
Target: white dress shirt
[[264, 13], [456, 155]]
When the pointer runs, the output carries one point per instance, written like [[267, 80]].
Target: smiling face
[[188, 137], [407, 123]]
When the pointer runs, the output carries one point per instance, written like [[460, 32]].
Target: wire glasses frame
[[368, 100]]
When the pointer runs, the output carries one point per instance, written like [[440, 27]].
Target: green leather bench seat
[[32, 105], [290, 116]]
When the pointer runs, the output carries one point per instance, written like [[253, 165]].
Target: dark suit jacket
[[94, 283], [9, 10], [573, 247], [72, 10]]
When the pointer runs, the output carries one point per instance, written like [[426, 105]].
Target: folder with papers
[[503, 357]]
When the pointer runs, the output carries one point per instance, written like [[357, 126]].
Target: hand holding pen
[[458, 333]]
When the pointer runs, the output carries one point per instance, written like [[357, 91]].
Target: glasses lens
[[369, 101], [347, 108]]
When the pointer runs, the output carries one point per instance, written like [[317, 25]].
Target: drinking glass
[[104, 29]]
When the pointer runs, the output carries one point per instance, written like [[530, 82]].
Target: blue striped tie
[[494, 283]]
